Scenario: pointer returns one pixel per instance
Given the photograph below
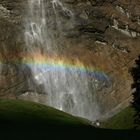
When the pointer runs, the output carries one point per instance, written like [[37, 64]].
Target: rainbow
[[46, 63], [55, 63]]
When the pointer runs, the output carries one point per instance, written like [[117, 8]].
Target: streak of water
[[67, 89]]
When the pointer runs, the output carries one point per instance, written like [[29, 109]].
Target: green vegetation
[[27, 120], [123, 120], [25, 112]]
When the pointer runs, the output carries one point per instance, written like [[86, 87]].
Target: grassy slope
[[123, 120], [25, 112], [26, 120]]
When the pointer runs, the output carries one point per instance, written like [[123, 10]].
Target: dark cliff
[[104, 34]]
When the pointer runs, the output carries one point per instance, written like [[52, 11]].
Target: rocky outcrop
[[103, 34], [107, 37], [15, 77]]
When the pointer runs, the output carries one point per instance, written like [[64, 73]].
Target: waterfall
[[67, 85]]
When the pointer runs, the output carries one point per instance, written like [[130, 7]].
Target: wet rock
[[91, 21]]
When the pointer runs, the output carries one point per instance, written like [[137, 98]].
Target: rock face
[[104, 34], [15, 77]]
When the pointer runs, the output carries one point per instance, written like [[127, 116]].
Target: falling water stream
[[67, 86]]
